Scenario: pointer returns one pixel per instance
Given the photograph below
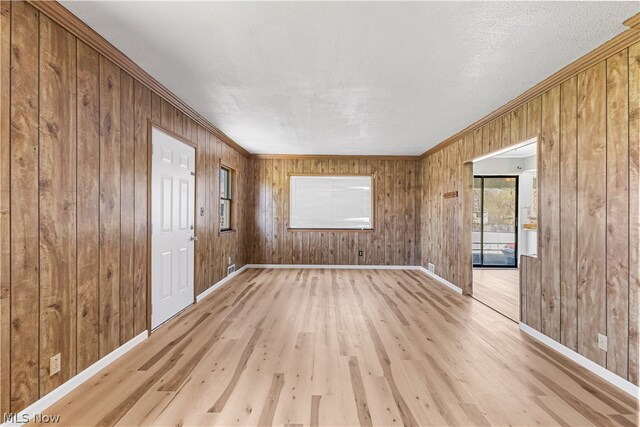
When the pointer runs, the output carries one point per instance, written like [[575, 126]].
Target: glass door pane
[[495, 208], [499, 221]]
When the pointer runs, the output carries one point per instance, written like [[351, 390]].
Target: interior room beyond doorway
[[504, 225]]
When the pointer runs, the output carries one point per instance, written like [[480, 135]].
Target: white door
[[172, 232]]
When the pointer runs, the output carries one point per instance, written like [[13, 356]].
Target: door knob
[[194, 238]]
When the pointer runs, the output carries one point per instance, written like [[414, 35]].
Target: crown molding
[[633, 22], [330, 156], [82, 31], [67, 20], [599, 54]]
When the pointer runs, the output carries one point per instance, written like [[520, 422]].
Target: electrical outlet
[[360, 253], [432, 268], [54, 365], [602, 342]]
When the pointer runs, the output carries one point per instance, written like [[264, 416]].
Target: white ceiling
[[350, 78]]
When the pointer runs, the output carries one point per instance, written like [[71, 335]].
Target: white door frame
[[151, 124]]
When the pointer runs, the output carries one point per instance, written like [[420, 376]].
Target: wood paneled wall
[[585, 279], [392, 242], [73, 203]]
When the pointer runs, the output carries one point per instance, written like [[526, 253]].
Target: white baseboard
[[441, 280], [336, 267], [39, 406], [600, 371], [218, 284]]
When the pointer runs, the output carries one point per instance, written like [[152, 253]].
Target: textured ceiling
[[351, 78]]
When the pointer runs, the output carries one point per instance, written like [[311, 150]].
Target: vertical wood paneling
[[127, 207], [141, 113], [109, 206], [156, 108], [379, 219], [505, 131], [588, 197], [57, 191], [549, 212], [25, 267], [277, 212], [5, 207], [167, 114], [519, 124], [617, 215], [491, 136], [568, 214], [592, 168], [73, 172], [534, 118], [634, 211], [534, 296], [388, 212], [523, 264], [400, 200], [210, 197], [202, 213], [393, 240], [477, 143], [410, 219], [88, 209]]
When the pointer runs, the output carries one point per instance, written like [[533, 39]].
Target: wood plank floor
[[342, 347], [499, 289]]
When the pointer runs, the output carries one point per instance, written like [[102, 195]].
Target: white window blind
[[334, 202]]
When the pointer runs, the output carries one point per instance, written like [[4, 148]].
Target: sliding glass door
[[495, 221]]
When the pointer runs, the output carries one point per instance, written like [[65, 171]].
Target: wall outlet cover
[[231, 269], [602, 342], [54, 364]]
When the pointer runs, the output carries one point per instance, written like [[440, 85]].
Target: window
[[226, 198], [330, 202], [495, 221]]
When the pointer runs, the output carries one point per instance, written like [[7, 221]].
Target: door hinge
[[193, 174]]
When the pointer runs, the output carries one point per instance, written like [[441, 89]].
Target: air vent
[[231, 269]]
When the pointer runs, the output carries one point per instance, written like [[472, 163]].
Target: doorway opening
[[504, 225]]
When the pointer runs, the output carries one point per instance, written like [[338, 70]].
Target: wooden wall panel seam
[[5, 206]]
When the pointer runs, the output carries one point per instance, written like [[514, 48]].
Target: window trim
[[232, 222], [372, 175]]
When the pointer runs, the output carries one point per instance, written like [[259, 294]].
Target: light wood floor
[[342, 347], [499, 289]]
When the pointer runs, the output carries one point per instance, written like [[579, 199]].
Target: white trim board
[[336, 267], [219, 283], [441, 280], [53, 396], [600, 371]]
